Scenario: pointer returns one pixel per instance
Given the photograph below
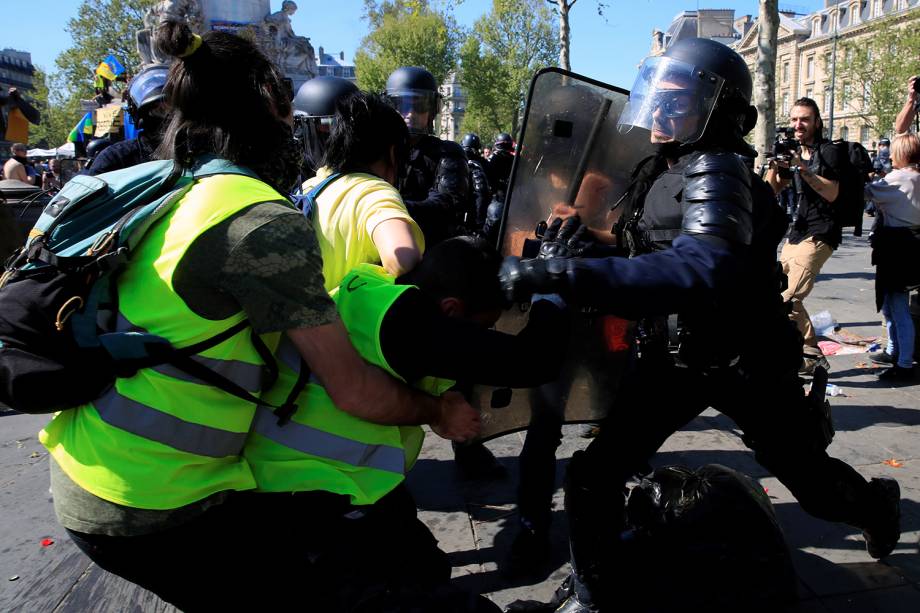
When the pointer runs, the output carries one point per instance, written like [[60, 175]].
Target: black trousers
[[772, 412], [309, 551]]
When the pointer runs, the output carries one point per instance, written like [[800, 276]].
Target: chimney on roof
[[342, 55]]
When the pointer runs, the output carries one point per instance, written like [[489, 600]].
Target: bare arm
[[399, 253], [906, 116], [369, 393], [827, 189]]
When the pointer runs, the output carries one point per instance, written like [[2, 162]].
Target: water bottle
[[823, 322], [832, 390]]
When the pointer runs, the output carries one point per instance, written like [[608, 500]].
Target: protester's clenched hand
[[457, 420], [911, 92], [565, 238]]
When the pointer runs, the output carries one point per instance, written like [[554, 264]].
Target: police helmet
[[95, 147], [314, 115], [146, 89], [504, 142], [675, 94], [884, 141], [471, 141], [414, 93], [317, 97]]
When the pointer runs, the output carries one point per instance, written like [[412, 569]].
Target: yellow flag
[[105, 71]]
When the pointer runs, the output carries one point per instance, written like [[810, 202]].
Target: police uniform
[[704, 232], [437, 188]]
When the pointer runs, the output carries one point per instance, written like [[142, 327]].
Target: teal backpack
[[59, 346]]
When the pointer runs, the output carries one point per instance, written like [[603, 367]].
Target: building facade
[[804, 60], [715, 24], [16, 70], [329, 65], [453, 108]]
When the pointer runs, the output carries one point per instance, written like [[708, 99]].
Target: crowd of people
[[357, 265]]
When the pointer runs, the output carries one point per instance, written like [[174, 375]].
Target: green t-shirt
[[265, 260]]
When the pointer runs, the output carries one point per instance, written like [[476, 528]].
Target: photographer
[[909, 110], [816, 230]]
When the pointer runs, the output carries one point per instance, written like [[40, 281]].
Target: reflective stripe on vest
[[161, 439], [248, 376], [138, 418], [323, 447], [306, 439]]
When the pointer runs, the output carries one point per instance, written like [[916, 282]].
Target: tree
[[562, 8], [405, 33], [872, 72], [765, 76], [100, 28], [506, 47], [59, 113]]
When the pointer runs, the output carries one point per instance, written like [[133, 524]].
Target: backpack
[[856, 166], [59, 343]]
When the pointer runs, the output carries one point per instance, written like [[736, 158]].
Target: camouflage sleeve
[[275, 271]]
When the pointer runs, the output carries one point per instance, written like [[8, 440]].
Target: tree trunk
[[564, 7], [765, 77]]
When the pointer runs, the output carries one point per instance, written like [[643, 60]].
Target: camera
[[784, 147]]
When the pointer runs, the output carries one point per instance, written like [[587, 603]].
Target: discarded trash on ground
[[833, 348], [13, 578], [47, 542], [824, 323], [851, 338], [893, 463]]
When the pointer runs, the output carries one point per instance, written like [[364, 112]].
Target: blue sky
[[608, 50]]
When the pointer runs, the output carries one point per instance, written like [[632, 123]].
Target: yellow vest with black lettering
[[323, 448], [163, 439]]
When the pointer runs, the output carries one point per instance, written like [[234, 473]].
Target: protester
[[144, 478], [895, 252], [816, 231], [358, 214], [18, 168], [148, 110], [385, 555], [719, 274], [52, 180]]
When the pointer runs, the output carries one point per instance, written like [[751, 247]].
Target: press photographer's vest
[[322, 447], [163, 439]]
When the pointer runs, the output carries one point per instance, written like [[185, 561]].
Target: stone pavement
[[475, 522]]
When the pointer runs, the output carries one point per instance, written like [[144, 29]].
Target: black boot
[[596, 517], [883, 536]]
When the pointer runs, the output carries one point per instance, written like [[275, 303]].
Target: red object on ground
[[47, 542]]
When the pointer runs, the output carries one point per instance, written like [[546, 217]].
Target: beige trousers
[[802, 263]]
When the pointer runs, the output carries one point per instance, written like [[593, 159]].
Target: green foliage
[[507, 46], [405, 33], [59, 113], [872, 72], [100, 28]]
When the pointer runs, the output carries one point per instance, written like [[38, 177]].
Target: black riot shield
[[571, 160]]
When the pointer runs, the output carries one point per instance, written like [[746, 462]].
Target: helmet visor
[[672, 99], [418, 108], [313, 133], [147, 87]]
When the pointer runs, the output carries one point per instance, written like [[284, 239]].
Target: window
[[845, 95], [827, 101], [845, 133], [785, 72], [785, 103], [809, 93], [866, 95], [810, 67], [864, 135], [827, 63]]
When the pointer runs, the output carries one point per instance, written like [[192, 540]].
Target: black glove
[[521, 279], [565, 239]]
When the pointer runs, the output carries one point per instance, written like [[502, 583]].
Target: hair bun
[[174, 38]]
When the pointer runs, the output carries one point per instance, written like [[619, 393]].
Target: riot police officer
[[482, 191], [703, 232], [500, 164], [314, 113], [436, 188], [145, 103]]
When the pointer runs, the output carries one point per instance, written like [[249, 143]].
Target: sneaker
[[477, 462], [809, 363], [881, 357], [882, 540], [896, 373]]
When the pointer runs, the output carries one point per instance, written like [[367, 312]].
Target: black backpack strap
[[287, 410]]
